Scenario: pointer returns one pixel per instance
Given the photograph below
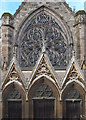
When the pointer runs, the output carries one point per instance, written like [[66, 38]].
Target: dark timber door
[[73, 110], [43, 109], [14, 109]]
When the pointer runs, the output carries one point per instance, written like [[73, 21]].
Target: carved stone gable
[[73, 74], [13, 75], [43, 91], [43, 68]]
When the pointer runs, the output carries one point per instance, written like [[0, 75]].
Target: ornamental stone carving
[[73, 75], [43, 69], [73, 93], [43, 91], [13, 75], [14, 94], [43, 29]]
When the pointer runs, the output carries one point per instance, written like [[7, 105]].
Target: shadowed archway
[[13, 101], [43, 93]]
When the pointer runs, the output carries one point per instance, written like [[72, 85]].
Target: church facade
[[43, 62]]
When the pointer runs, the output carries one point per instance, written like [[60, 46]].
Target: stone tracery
[[73, 93], [43, 91], [14, 94], [43, 28]]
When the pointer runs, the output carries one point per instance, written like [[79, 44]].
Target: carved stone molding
[[73, 75], [43, 69], [13, 75]]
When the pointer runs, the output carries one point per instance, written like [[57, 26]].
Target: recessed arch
[[6, 91], [55, 93], [48, 78], [78, 84], [73, 97]]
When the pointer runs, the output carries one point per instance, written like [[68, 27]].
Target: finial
[[43, 49], [4, 67], [15, 50], [73, 53]]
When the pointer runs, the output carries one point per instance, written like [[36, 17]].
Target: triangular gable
[[73, 72], [24, 2], [43, 67], [13, 74]]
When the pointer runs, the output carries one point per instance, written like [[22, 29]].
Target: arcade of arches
[[43, 73]]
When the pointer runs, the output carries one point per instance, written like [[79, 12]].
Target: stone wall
[[58, 7]]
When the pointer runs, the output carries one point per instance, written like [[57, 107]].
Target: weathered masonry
[[43, 62]]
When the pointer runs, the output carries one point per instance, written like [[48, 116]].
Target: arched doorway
[[13, 102], [43, 100], [73, 102]]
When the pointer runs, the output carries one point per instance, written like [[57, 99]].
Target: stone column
[[7, 37]]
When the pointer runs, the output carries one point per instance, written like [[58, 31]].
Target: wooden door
[[43, 109], [73, 110], [14, 109]]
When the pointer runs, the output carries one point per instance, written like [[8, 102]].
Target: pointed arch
[[73, 95], [79, 86], [31, 24], [43, 8], [44, 68], [73, 73], [46, 77], [6, 91], [14, 74], [36, 85]]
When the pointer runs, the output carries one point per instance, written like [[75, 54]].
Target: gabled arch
[[36, 85], [45, 77], [17, 85], [72, 95], [6, 91], [78, 85], [43, 68], [14, 74], [73, 73]]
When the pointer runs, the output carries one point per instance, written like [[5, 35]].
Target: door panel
[[14, 109], [73, 110], [43, 108]]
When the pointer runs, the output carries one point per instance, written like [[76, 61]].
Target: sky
[[12, 5]]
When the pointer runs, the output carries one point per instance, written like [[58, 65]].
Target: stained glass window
[[43, 28]]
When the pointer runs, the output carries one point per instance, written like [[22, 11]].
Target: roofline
[[23, 3]]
